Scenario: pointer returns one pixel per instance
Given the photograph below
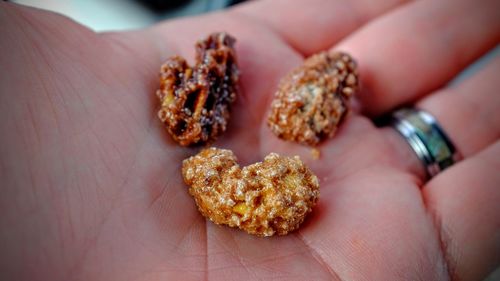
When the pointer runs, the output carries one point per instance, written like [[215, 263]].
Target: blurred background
[[114, 15], [106, 15]]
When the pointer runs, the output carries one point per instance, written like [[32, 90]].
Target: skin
[[91, 184]]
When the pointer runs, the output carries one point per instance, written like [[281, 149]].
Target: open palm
[[91, 183]]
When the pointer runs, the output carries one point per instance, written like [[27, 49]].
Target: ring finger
[[467, 112]]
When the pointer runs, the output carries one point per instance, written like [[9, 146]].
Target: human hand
[[90, 180]]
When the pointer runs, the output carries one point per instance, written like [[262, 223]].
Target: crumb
[[315, 153], [313, 99], [196, 101], [265, 198]]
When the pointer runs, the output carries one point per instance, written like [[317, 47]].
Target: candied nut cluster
[[312, 99], [196, 101], [265, 198]]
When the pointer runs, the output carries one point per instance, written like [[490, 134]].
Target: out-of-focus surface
[[110, 15], [495, 276]]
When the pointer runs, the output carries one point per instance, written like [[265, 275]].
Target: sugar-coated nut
[[196, 102], [265, 198], [313, 99]]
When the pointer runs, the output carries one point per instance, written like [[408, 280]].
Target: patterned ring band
[[426, 138]]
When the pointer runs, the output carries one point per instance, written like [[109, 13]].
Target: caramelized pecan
[[313, 99], [196, 101], [265, 198]]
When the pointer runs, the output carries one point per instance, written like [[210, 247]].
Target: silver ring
[[426, 138]]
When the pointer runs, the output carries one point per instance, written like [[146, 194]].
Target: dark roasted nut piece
[[269, 197], [313, 99], [196, 102]]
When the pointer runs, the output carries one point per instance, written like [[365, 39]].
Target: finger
[[464, 200], [468, 111], [312, 26], [420, 47]]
